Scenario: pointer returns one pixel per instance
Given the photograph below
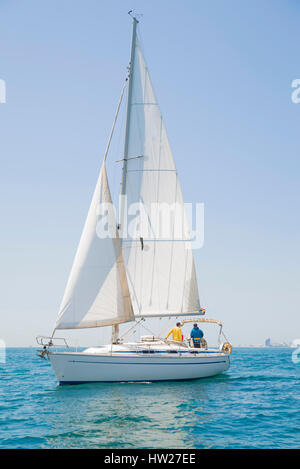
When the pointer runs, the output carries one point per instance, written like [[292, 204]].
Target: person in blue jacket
[[196, 335]]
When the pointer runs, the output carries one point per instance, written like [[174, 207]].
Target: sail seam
[[157, 215], [157, 240], [152, 170], [172, 251]]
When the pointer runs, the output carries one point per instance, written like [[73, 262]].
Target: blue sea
[[253, 405]]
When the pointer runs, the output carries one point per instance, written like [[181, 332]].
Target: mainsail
[[160, 266], [97, 291]]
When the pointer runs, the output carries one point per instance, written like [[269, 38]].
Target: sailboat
[[129, 277]]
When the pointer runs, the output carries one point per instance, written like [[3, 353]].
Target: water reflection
[[144, 415]]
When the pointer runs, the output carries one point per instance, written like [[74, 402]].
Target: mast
[[127, 129], [115, 328]]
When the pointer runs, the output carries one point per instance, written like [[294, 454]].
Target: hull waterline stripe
[[144, 363]]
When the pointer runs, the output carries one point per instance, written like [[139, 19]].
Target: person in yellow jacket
[[176, 333]]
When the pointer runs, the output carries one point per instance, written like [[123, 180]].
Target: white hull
[[85, 367]]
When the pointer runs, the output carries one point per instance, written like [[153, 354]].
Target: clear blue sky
[[222, 71]]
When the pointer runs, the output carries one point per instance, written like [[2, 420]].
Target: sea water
[[255, 404]]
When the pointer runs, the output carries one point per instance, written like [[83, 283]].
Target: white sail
[[97, 291], [160, 267]]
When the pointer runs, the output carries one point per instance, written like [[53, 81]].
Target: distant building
[[268, 343], [295, 343]]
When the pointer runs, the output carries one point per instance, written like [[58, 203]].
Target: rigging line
[[115, 120], [132, 158], [224, 336], [147, 329], [136, 323], [119, 130], [118, 151], [163, 329]]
